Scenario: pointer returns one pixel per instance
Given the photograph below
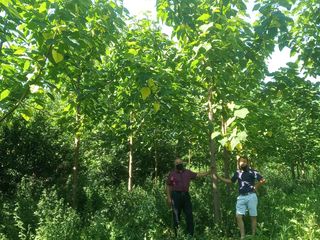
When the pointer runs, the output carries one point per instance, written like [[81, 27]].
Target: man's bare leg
[[241, 225], [253, 225]]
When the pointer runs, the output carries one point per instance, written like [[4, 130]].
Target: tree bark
[[155, 164], [75, 168], [130, 163], [212, 147], [75, 171], [155, 157], [130, 154]]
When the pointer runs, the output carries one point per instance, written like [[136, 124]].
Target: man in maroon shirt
[[178, 197]]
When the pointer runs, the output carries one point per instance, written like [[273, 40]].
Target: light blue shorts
[[249, 202]]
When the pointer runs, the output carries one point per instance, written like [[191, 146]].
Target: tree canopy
[[95, 105]]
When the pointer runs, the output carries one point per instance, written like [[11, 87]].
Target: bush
[[129, 215], [114, 213], [56, 219]]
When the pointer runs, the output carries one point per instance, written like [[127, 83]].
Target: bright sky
[[140, 8]]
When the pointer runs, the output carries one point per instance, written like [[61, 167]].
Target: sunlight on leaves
[[204, 17], [215, 134], [26, 65], [43, 7], [204, 28], [231, 106], [57, 57], [133, 51], [34, 88], [6, 2], [241, 113], [4, 94], [25, 116]]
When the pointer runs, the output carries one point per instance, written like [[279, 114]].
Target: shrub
[[56, 220]]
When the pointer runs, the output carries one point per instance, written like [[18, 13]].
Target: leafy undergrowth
[[286, 211]]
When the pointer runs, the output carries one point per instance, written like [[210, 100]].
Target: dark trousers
[[182, 201]]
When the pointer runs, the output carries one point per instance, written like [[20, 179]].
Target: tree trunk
[[130, 163], [75, 168], [130, 154], [155, 160], [155, 164], [304, 170], [212, 147], [75, 171]]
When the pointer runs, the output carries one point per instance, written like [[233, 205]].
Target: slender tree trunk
[[155, 164], [130, 154], [212, 147], [155, 147], [304, 170], [130, 163], [75, 168], [75, 171]]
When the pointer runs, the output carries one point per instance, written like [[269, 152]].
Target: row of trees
[[109, 85]]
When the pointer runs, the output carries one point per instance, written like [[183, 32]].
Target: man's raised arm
[[226, 180]]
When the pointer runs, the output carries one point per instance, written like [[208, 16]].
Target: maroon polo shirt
[[180, 180]]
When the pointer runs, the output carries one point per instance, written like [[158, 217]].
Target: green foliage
[[56, 219], [129, 215], [8, 229], [28, 193], [294, 213], [285, 211], [36, 150], [85, 70]]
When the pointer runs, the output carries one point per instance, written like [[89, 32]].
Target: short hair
[[242, 157]]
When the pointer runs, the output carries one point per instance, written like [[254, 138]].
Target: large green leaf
[[223, 141], [4, 94], [34, 88], [241, 113], [57, 57], [215, 134], [230, 120], [204, 17], [156, 106], [26, 65], [145, 92], [6, 2], [133, 51], [242, 136], [234, 142], [25, 116], [205, 27], [43, 7]]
